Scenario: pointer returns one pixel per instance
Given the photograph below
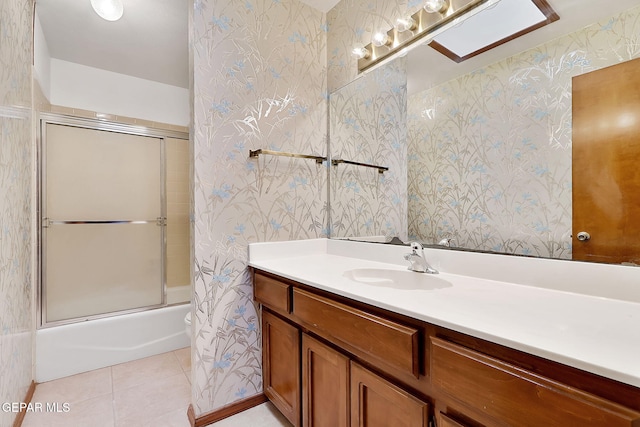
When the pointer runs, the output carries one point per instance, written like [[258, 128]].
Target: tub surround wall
[[490, 152], [259, 82], [16, 194]]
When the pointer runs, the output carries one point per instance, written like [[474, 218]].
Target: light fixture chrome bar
[[381, 169], [256, 153]]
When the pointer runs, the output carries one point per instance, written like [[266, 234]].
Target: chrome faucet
[[418, 262]]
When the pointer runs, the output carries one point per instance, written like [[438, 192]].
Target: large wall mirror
[[479, 153]]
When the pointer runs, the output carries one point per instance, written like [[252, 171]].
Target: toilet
[[187, 325]]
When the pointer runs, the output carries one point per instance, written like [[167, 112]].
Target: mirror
[[488, 145]]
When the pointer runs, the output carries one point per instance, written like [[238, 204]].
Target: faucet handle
[[415, 247]]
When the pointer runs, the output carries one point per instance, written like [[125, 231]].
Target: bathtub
[[66, 350]]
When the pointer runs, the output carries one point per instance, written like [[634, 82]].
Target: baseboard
[[225, 411], [27, 400]]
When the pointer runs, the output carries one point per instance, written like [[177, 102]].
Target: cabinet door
[[281, 365], [325, 385], [445, 421], [376, 402]]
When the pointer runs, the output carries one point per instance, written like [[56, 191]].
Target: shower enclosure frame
[[43, 119]]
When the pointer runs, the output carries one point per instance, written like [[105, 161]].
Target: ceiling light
[[405, 24], [111, 10], [381, 39], [359, 51], [436, 6]]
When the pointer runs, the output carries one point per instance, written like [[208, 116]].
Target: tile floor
[[154, 392]]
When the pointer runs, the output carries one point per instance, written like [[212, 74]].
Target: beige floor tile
[[95, 412], [137, 405], [265, 415], [130, 374], [75, 388], [184, 357], [173, 419]]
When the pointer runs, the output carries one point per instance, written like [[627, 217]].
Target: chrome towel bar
[[256, 153], [381, 169]]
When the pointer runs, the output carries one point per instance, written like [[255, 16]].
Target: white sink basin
[[397, 279]]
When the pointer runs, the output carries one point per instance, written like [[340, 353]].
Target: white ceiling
[[151, 39]]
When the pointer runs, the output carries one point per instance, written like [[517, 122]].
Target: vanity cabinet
[[325, 385], [281, 365], [376, 402], [333, 361]]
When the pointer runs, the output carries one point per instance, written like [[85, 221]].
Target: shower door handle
[[46, 222]]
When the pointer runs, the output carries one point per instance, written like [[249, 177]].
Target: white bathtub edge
[[67, 350]]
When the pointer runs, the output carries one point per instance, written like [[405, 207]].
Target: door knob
[[583, 236]]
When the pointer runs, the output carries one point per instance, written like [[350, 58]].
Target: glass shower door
[[103, 225]]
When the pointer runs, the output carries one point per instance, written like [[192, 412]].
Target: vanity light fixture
[[360, 52], [459, 29], [110, 10], [381, 39], [406, 24], [436, 6]]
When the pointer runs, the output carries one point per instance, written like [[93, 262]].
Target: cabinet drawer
[[363, 333], [518, 397], [272, 293]]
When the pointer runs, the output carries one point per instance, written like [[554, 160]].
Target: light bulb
[[360, 52], [405, 24], [381, 39], [436, 6], [110, 10]]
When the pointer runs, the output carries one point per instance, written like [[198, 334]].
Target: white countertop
[[597, 334]]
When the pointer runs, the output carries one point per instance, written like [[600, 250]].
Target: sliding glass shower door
[[103, 222]]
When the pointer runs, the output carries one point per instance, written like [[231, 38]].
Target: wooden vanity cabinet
[[331, 361], [376, 402], [281, 365], [325, 385]]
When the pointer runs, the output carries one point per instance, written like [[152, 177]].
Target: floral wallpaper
[[16, 160], [259, 82], [490, 152], [364, 118]]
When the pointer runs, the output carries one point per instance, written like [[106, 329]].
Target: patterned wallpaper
[[490, 152], [364, 117], [16, 160], [259, 82]]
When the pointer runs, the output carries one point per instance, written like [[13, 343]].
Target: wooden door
[[376, 402], [281, 365], [606, 164], [325, 385]]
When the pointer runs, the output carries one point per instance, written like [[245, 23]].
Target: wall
[[78, 86], [364, 117], [490, 152], [16, 191], [259, 82], [41, 59]]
